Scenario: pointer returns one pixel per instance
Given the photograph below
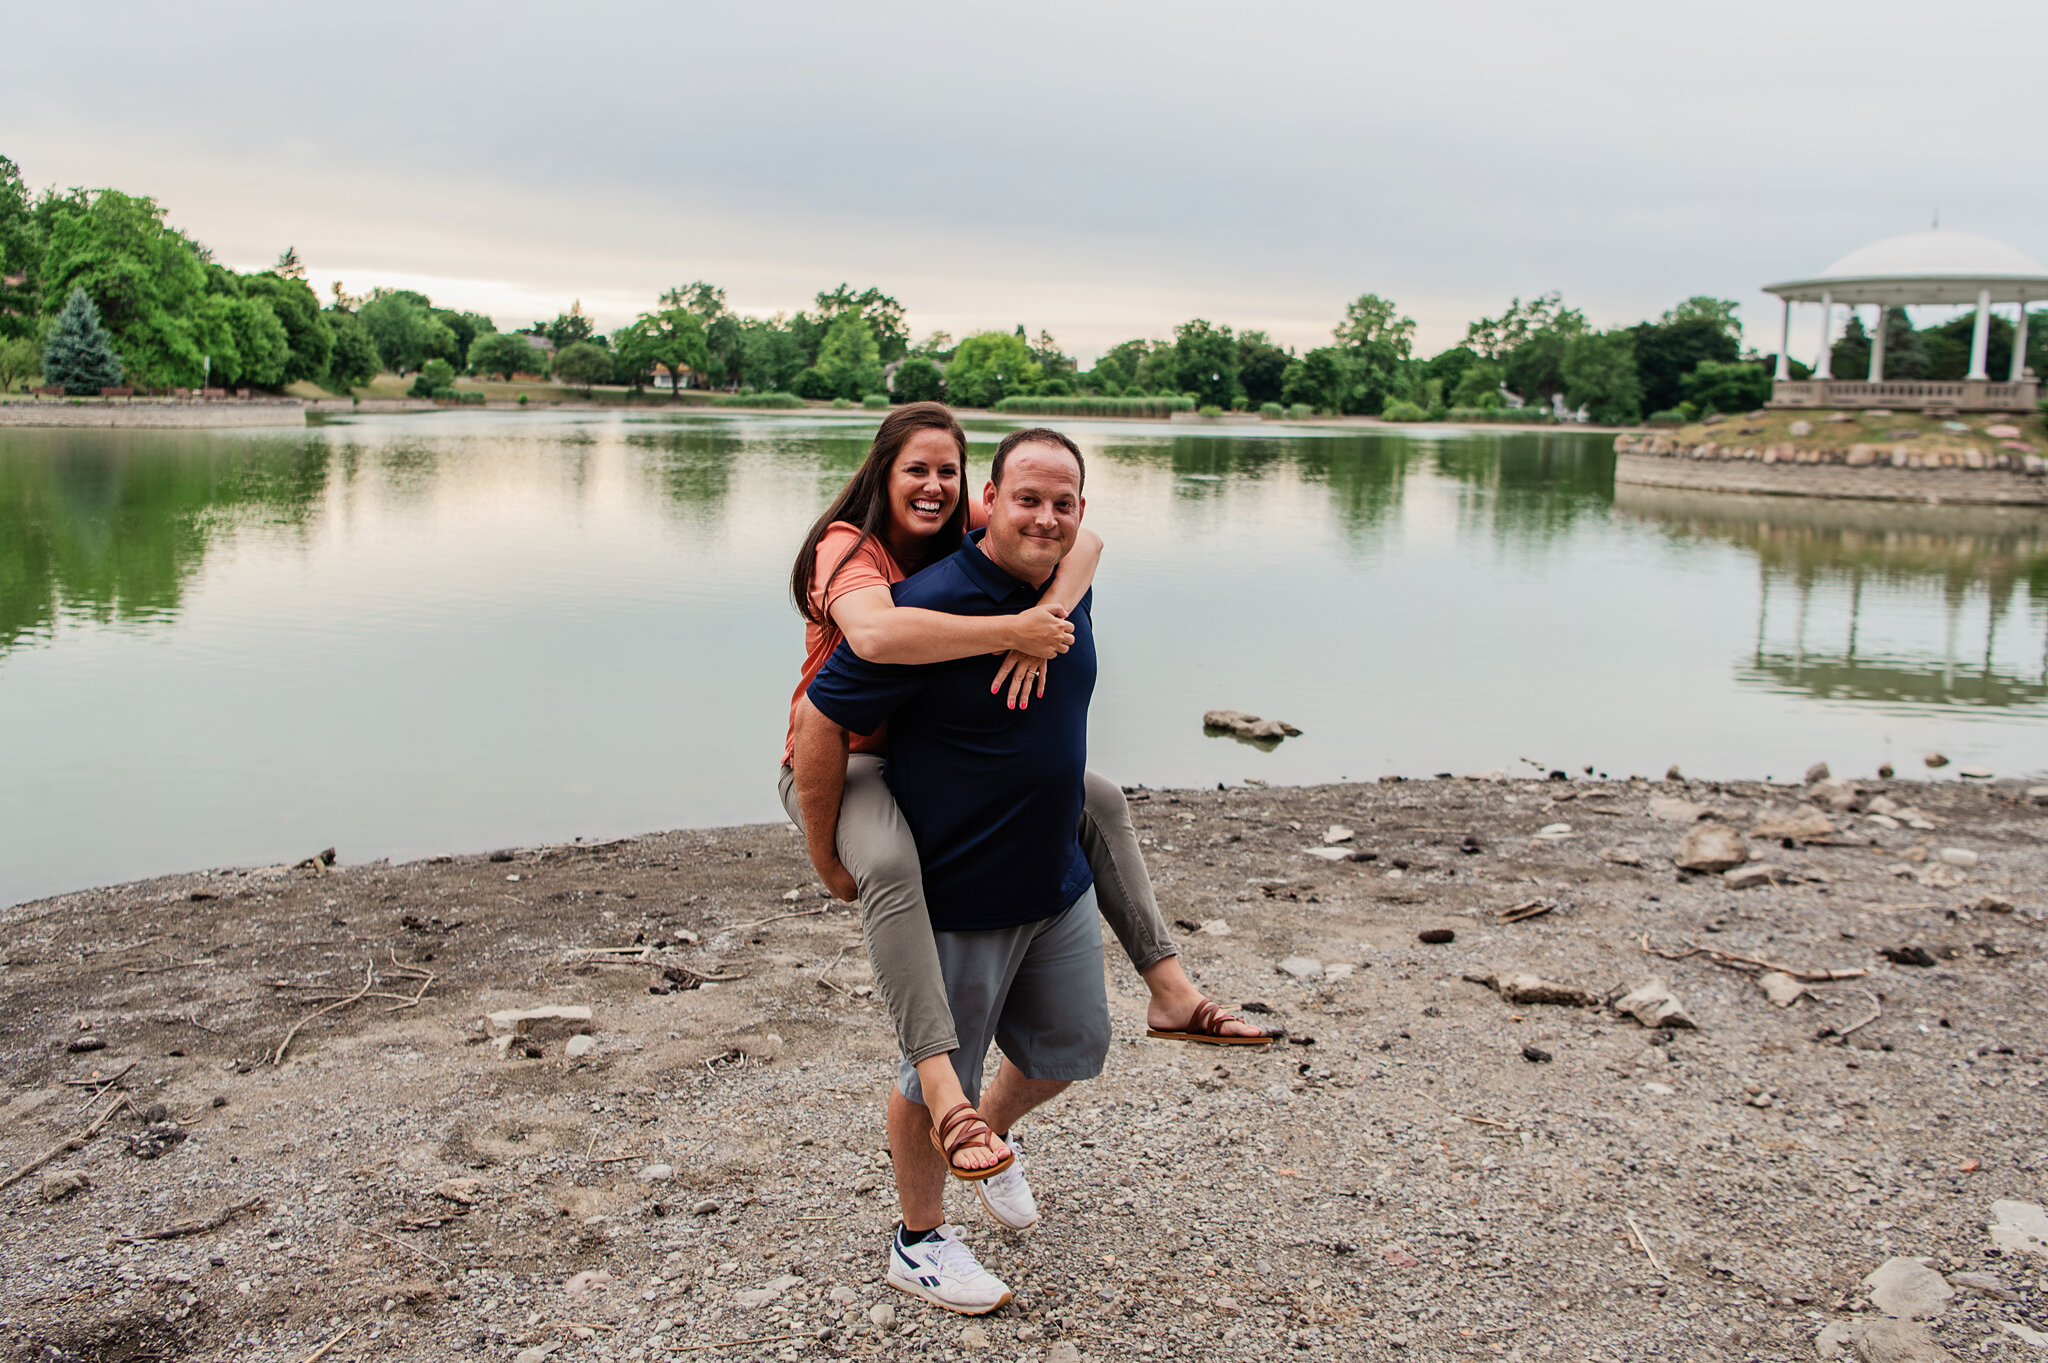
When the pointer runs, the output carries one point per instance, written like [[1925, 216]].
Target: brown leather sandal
[[1205, 1028], [963, 1129]]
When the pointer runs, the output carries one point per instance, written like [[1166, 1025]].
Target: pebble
[[580, 1045], [1661, 1090], [882, 1316], [1984, 1284], [1935, 759], [1337, 833], [588, 1281], [2020, 1227], [974, 1337], [1959, 856], [80, 1045], [1339, 970], [843, 1295], [58, 1186], [1817, 772], [1751, 876], [1063, 1351], [464, 1191], [1654, 1005], [1711, 847], [655, 1173], [1908, 1289], [1975, 773], [1436, 937], [537, 1354], [1536, 1055], [1302, 968], [705, 1207]]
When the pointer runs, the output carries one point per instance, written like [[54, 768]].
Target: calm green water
[[411, 635]]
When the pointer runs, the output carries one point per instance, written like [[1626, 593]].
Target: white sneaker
[[1006, 1197], [944, 1272]]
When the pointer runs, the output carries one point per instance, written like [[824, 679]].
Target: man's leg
[[1124, 888], [1010, 1095], [920, 1170]]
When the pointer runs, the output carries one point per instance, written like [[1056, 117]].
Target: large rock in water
[[1711, 847], [1247, 725]]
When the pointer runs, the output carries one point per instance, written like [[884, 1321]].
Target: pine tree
[[79, 355]]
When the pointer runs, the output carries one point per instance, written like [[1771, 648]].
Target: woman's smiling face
[[924, 484]]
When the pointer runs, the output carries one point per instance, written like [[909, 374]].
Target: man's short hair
[[1036, 435]]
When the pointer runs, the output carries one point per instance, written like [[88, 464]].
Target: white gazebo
[[1920, 267]]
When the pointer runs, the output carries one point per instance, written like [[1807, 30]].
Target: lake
[[408, 635]]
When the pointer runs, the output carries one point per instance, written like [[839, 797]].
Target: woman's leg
[[1123, 890], [875, 846]]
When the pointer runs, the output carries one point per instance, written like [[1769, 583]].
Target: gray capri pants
[[876, 848]]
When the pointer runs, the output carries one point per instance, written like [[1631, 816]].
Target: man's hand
[[1042, 632]]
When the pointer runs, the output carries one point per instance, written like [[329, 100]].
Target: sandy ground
[[1424, 1171]]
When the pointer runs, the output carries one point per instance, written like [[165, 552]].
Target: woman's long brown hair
[[864, 501]]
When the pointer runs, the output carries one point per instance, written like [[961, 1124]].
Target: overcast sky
[[1099, 170]]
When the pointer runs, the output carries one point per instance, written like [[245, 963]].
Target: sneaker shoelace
[[954, 1257]]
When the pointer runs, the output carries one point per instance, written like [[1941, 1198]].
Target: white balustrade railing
[[1967, 395]]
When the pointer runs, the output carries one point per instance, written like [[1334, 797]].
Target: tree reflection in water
[[1876, 601]]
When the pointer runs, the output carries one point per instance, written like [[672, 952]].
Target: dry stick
[[197, 1226], [1876, 1012], [1735, 962], [1643, 1242], [369, 979], [426, 983], [322, 1351], [409, 1249], [764, 922], [66, 1146], [160, 969], [735, 1343], [101, 1084]]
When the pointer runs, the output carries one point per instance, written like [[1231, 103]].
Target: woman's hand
[[837, 879], [1022, 669], [1042, 632]]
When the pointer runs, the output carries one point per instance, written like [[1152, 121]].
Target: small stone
[[1672, 773], [2019, 1227], [2021, 1332], [974, 1337], [1898, 1341], [462, 1191], [1711, 847], [882, 1316], [540, 1023], [1751, 876], [1675, 811], [1063, 1351], [80, 1045], [1653, 1004], [1621, 856], [1337, 833], [1959, 856], [1781, 989], [1527, 988], [1661, 1090], [588, 1281], [1436, 937], [58, 1186], [1976, 773], [2037, 795], [1399, 1258], [1935, 759], [1817, 772], [1803, 823], [843, 1295], [1536, 1055], [1985, 1285], [1302, 968], [1338, 970], [655, 1173], [580, 1045], [1884, 771], [866, 1184], [1907, 1289], [1919, 957], [537, 1354], [705, 1207], [1214, 927]]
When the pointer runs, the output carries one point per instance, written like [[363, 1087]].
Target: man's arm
[[820, 783]]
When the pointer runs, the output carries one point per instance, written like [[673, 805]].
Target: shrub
[[1400, 409], [1210, 410], [1272, 411], [919, 381], [815, 384], [842, 404], [876, 402], [777, 401], [1299, 410], [1055, 388], [1521, 416], [1670, 416], [434, 375], [1089, 406], [522, 399], [1239, 403]]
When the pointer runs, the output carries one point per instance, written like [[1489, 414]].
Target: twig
[[583, 1325], [369, 979], [409, 1249], [322, 1351], [426, 979], [1876, 1012], [196, 1226], [764, 922], [1533, 908], [618, 1159], [824, 976], [66, 1146], [100, 1084], [1643, 1243], [160, 969], [1735, 962], [735, 1343], [1464, 1117]]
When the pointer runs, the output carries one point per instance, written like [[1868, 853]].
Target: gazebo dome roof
[[1924, 267]]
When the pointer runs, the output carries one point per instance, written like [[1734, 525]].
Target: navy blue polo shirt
[[992, 795]]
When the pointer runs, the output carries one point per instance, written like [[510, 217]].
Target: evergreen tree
[[79, 354]]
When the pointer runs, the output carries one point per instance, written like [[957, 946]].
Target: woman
[[904, 509]]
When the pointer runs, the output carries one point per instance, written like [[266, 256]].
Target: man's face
[[1034, 516]]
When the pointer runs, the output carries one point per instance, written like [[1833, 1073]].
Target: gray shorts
[[1035, 990]]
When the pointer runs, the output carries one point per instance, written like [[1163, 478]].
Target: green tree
[[568, 327], [1667, 351], [1327, 379], [1260, 365], [1053, 362], [354, 360], [1448, 366], [988, 367], [145, 279], [1495, 338], [309, 340], [1599, 374], [1117, 371], [289, 266], [918, 380], [770, 355], [506, 353], [405, 329], [671, 339], [850, 360], [463, 329], [436, 379], [1478, 385], [78, 353], [260, 349], [1716, 312], [1371, 321], [20, 358], [20, 256], [1719, 387], [580, 363], [1205, 363], [883, 314]]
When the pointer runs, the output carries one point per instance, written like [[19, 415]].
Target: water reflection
[[1877, 602], [111, 528]]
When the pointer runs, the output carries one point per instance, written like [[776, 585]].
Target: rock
[[540, 1023], [844, 1295], [588, 1281], [1653, 1004], [1907, 1289], [1833, 1342], [655, 1173], [1214, 927], [704, 1207], [1676, 811], [1781, 989], [1861, 456], [1436, 937], [1536, 1055], [1338, 970], [974, 1337], [1247, 725], [1984, 1285], [1621, 856], [539, 1352], [2037, 795], [462, 1191], [754, 1298], [580, 1045], [1959, 856], [1884, 771], [1527, 988], [1802, 823], [1661, 1090], [2018, 1331], [2019, 1227], [1063, 1351], [155, 1139], [1918, 957], [1897, 1341], [1976, 773], [1750, 876], [1671, 773], [1337, 833], [58, 1186], [1711, 847], [83, 1044], [1817, 772], [1935, 759], [1327, 853], [1553, 832], [882, 1316], [1302, 968]]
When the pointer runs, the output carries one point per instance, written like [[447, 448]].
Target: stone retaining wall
[[1866, 482], [1860, 455], [166, 413]]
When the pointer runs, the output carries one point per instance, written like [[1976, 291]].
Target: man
[[993, 798]]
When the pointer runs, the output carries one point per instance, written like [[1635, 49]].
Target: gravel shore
[[1424, 1170]]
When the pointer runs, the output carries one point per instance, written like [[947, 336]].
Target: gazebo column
[[1825, 369], [1877, 347], [1980, 338], [1785, 344], [2019, 346]]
